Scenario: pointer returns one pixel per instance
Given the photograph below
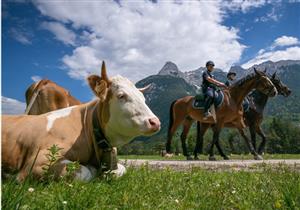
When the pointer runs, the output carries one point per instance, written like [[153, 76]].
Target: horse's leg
[[186, 127], [216, 132], [173, 125], [250, 146], [218, 145], [253, 136], [263, 136], [201, 130]]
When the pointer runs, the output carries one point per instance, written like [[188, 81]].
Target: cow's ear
[[98, 86]]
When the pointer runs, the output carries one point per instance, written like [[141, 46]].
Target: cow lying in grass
[[83, 132]]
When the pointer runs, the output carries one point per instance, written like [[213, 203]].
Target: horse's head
[[264, 84], [280, 86]]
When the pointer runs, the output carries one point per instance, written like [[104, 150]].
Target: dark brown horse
[[182, 112], [253, 117]]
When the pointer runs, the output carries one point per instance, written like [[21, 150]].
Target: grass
[[205, 157], [144, 188]]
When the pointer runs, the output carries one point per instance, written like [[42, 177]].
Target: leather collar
[[99, 136]]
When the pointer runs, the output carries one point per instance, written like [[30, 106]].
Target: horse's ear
[[274, 75]]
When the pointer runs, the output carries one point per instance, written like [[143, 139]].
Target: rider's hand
[[223, 86]]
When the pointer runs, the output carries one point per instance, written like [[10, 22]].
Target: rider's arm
[[216, 82]]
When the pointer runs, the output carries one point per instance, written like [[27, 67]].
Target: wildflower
[[70, 185], [176, 200], [30, 189], [218, 185], [277, 204], [65, 202], [233, 192]]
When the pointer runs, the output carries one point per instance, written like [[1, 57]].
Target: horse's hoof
[[258, 157], [226, 158], [196, 158], [189, 157], [212, 158]]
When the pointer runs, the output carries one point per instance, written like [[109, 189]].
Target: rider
[[247, 100], [230, 77], [209, 86]]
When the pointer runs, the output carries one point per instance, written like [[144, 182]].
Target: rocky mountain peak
[[170, 68]]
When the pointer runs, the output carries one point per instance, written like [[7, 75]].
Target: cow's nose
[[154, 124]]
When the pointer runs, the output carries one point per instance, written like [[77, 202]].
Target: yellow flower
[[277, 204]]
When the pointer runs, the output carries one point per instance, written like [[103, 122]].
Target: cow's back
[[49, 97]]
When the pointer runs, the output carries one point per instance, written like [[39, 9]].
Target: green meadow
[[145, 188]]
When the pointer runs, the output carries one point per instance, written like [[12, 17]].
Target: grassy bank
[[147, 189]]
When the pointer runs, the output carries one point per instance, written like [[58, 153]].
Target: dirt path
[[248, 165]]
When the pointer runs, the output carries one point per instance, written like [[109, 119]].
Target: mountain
[[193, 77], [269, 66]]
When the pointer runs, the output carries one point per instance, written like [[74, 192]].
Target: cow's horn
[[103, 72], [144, 88]]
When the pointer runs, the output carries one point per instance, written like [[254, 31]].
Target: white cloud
[[291, 53], [273, 15], [20, 35], [138, 37], [285, 41], [36, 78], [12, 106], [61, 32], [242, 5]]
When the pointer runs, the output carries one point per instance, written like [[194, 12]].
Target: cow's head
[[123, 111]]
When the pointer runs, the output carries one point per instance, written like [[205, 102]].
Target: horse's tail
[[171, 121]]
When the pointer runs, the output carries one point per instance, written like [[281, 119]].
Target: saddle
[[199, 100], [199, 103]]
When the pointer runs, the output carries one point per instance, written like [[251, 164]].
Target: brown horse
[[230, 111], [253, 118]]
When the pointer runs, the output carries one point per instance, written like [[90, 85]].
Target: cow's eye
[[122, 96]]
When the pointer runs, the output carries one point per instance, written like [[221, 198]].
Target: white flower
[[65, 202], [176, 200], [218, 185], [233, 191], [30, 189]]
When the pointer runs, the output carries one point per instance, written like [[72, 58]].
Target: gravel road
[[182, 165]]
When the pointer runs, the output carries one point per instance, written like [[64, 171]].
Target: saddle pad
[[198, 104]]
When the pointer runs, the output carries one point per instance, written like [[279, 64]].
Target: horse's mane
[[241, 81]]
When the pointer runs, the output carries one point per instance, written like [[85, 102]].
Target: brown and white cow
[[119, 112], [46, 96]]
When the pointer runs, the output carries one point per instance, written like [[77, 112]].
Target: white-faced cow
[[83, 131], [46, 96]]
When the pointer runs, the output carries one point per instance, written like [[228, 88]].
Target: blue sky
[[65, 42]]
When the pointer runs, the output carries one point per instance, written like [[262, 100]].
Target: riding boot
[[207, 104]]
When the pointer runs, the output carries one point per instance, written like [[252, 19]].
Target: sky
[[65, 41]]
